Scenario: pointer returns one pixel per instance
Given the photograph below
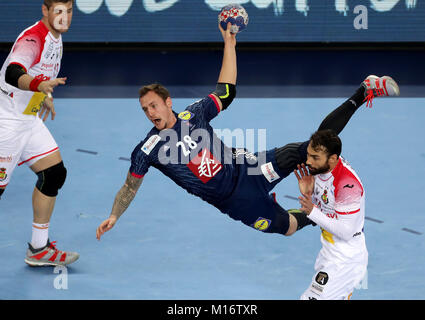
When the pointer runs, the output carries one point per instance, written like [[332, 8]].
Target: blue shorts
[[251, 201]]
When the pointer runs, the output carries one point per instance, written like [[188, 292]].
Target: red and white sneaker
[[49, 256], [379, 87]]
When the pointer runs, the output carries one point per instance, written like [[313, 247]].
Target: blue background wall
[[261, 73], [195, 21]]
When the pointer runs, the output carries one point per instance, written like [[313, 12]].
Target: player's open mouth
[[157, 121]]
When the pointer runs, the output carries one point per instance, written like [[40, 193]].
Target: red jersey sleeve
[[27, 49], [348, 194]]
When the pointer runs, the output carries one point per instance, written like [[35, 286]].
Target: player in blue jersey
[[185, 148]]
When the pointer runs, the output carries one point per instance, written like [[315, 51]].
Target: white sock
[[40, 235]]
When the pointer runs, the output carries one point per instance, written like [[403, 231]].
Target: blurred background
[[288, 45]]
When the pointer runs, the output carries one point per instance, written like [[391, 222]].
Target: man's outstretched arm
[[228, 72], [122, 201], [226, 84]]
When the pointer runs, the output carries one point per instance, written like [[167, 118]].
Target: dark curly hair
[[326, 141]]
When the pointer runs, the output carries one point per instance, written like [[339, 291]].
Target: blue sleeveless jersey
[[235, 181], [190, 154]]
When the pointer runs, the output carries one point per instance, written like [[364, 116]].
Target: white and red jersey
[[39, 53], [339, 197]]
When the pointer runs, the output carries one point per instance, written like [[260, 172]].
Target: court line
[[374, 220], [411, 231], [86, 151]]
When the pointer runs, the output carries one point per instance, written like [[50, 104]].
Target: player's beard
[[323, 169]]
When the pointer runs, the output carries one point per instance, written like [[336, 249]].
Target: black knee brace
[[301, 218], [1, 192], [51, 180]]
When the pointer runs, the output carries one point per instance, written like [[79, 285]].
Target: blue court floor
[[171, 245]]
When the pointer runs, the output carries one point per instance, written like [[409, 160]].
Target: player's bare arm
[[17, 77], [228, 71], [122, 201], [47, 87], [227, 78]]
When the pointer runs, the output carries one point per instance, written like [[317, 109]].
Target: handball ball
[[236, 15]]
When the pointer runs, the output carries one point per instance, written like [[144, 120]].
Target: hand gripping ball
[[236, 15]]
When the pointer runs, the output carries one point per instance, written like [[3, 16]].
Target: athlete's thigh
[[41, 151], [260, 212], [12, 143]]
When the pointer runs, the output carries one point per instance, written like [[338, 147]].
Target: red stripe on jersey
[[351, 212], [39, 155], [215, 101], [138, 176]]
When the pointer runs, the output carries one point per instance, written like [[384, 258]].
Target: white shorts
[[23, 146], [335, 281]]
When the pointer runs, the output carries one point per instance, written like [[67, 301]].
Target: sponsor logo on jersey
[[4, 91], [186, 115], [325, 197], [268, 171], [150, 144], [332, 215], [3, 174], [317, 287], [322, 278], [49, 50], [248, 155], [6, 159], [262, 224], [205, 166]]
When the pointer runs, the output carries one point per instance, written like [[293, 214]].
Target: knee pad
[[280, 222], [51, 180]]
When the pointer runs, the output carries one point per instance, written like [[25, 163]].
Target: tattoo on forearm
[[125, 196]]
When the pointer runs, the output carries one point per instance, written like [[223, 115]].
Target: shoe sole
[[46, 264], [390, 81]]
